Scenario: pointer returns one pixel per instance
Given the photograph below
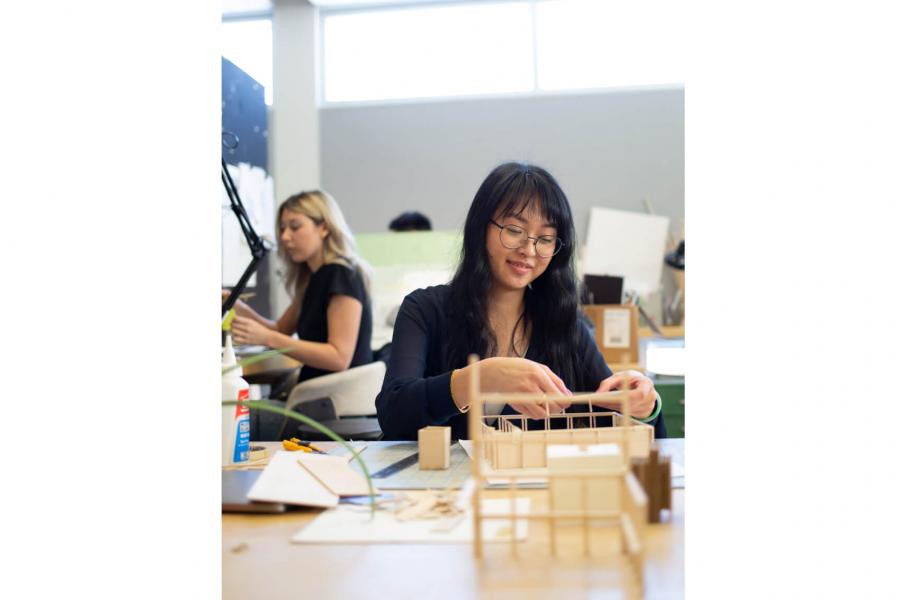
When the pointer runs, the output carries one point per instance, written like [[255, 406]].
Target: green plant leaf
[[260, 405], [246, 362]]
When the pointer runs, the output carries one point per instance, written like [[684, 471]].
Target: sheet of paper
[[284, 480], [334, 473], [616, 328], [348, 524]]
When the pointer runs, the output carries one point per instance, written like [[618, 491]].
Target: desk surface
[[259, 559]]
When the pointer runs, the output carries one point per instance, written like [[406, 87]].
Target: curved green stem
[[260, 405], [246, 362]]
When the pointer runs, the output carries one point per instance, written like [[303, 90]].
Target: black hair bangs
[[528, 190]]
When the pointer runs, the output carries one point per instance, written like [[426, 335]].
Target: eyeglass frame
[[559, 240]]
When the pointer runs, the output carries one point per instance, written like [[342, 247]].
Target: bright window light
[[248, 44], [425, 52], [605, 43]]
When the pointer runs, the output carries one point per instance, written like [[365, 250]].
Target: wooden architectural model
[[434, 448], [513, 446], [589, 470]]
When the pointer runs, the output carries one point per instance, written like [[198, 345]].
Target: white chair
[[344, 401]]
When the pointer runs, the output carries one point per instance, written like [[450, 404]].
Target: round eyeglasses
[[513, 236]]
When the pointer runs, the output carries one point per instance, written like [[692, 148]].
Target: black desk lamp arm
[[258, 246]]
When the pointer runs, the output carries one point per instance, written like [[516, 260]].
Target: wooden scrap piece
[[655, 475]]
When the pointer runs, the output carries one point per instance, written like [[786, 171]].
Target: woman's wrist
[[272, 339], [657, 408], [458, 380]]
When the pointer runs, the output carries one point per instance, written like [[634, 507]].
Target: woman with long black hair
[[513, 301]]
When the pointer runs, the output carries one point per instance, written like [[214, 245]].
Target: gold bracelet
[[461, 410]]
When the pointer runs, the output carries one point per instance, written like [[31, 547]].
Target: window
[[431, 51], [593, 44], [248, 44], [498, 47]]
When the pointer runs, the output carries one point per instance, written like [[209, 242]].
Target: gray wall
[[609, 149]]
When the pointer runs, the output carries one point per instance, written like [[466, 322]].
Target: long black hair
[[551, 301]]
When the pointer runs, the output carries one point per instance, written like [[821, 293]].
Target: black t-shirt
[[333, 280]]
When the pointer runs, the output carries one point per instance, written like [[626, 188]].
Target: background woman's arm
[[344, 318]]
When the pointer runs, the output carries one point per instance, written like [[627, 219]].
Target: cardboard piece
[[334, 473], [616, 331]]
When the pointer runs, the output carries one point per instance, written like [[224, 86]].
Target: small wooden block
[[434, 448]]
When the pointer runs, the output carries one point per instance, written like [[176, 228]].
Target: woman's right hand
[[520, 375]]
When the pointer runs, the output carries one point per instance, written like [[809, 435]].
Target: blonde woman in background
[[330, 311]]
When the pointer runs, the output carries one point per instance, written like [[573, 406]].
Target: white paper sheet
[[349, 524]]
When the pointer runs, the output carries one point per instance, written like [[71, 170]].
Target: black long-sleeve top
[[416, 389]]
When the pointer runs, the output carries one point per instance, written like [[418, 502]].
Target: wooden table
[[259, 561]]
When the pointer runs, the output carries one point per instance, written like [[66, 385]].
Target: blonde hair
[[339, 245]]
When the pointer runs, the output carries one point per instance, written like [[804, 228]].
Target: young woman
[[330, 312], [513, 301]]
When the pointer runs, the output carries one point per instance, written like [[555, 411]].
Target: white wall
[[606, 148]]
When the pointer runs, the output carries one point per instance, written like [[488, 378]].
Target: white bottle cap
[[229, 359]]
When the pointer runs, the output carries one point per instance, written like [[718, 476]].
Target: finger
[[547, 385], [610, 383], [644, 385], [544, 384], [534, 411], [525, 409], [547, 408], [563, 403], [538, 410], [557, 381]]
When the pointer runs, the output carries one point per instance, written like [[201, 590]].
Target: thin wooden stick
[[540, 398], [475, 420]]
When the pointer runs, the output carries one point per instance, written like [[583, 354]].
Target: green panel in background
[[671, 390], [411, 248]]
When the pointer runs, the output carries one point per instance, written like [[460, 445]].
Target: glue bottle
[[235, 418]]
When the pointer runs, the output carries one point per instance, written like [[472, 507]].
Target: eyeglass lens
[[514, 237]]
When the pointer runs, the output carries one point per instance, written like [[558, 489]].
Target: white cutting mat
[[379, 455]]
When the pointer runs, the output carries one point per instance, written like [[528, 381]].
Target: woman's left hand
[[642, 395], [246, 331]]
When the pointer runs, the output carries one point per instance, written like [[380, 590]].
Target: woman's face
[[515, 268], [300, 237]]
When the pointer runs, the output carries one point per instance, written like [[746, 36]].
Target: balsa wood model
[[589, 471]]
